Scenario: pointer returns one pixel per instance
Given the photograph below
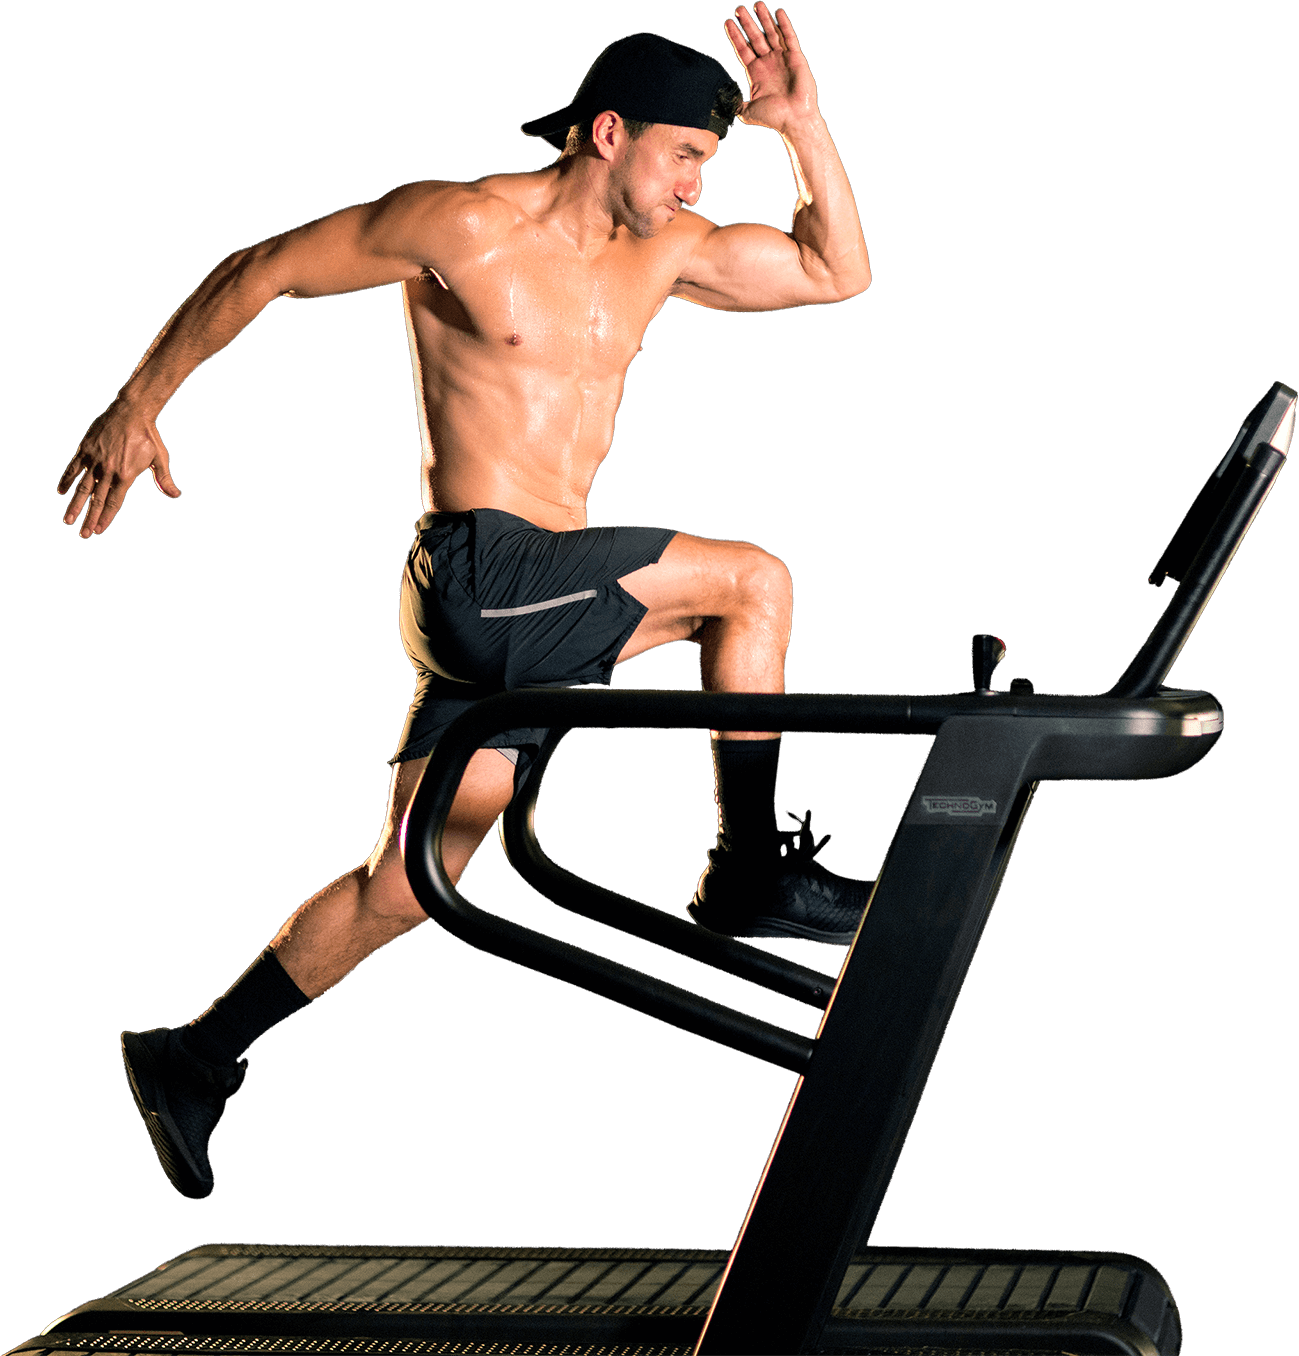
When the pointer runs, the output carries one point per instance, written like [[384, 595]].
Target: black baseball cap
[[650, 79]]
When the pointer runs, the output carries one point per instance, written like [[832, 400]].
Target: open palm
[[781, 87]]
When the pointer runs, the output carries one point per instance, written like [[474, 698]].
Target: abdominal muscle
[[530, 452], [518, 421]]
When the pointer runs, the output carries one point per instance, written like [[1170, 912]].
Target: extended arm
[[823, 257], [360, 247]]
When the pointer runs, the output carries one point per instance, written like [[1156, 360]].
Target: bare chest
[[526, 300]]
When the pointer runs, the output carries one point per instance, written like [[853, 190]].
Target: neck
[[577, 202]]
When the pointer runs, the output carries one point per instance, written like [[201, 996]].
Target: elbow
[[236, 273], [259, 269], [840, 287], [854, 286], [850, 278], [240, 262]]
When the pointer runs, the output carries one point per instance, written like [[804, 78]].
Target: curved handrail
[[551, 708], [422, 845], [569, 891], [426, 821]]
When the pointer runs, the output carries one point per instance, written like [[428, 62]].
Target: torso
[[521, 346]]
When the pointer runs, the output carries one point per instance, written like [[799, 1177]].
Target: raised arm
[[365, 246], [823, 257]]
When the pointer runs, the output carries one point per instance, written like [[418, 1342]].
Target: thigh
[[695, 579]]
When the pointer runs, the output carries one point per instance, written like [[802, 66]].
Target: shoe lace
[[799, 845]]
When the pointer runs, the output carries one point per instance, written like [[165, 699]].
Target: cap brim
[[553, 127]]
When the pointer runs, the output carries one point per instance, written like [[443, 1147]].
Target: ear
[[608, 135]]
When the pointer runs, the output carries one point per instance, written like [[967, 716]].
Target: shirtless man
[[527, 296]]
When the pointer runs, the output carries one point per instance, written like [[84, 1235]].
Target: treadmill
[[802, 1276]]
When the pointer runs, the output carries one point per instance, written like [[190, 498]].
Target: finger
[[769, 29], [83, 492], [738, 42], [107, 499], [68, 479], [161, 468], [787, 31], [757, 40], [112, 502], [96, 507]]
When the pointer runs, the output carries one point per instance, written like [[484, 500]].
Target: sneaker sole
[[764, 927], [151, 1102]]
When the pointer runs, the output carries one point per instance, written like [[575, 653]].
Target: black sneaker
[[788, 896], [181, 1099]]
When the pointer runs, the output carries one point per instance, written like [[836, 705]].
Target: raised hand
[[117, 448], [781, 89]]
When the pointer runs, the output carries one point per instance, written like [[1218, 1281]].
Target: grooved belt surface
[[441, 1280]]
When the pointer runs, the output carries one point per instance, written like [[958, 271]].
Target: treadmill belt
[[603, 1302]]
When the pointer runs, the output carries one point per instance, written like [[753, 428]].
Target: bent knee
[[386, 894], [763, 581]]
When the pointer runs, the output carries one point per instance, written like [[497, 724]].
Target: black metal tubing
[[1169, 715], [1270, 421], [592, 901], [519, 834], [1209, 534], [425, 824], [426, 821], [1150, 666]]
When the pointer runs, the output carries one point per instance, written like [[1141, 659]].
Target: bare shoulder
[[686, 237], [429, 218], [436, 200], [690, 230], [433, 226]]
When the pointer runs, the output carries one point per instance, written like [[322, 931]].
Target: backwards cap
[[650, 79]]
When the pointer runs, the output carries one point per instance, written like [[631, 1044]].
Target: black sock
[[746, 789], [263, 995]]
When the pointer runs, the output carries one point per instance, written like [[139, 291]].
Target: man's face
[[656, 174]]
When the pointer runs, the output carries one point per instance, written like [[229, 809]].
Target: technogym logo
[[959, 807]]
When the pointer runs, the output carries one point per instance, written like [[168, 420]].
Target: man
[[527, 296]]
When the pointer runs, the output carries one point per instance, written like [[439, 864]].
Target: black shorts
[[489, 603]]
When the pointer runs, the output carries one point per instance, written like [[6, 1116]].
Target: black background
[[1080, 289]]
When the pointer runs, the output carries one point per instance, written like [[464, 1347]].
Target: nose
[[690, 189]]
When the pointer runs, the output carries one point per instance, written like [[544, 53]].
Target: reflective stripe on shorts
[[537, 607]]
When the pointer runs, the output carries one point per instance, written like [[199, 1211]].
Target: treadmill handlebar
[[822, 712], [1184, 726]]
